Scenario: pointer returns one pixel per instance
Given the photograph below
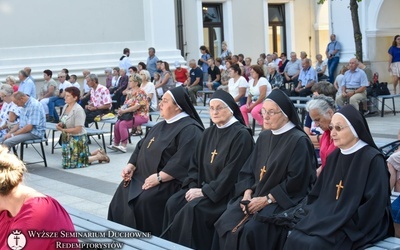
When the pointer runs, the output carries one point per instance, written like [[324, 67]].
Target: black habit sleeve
[[135, 153], [241, 147]]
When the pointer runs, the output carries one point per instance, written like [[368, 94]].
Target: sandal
[[138, 133]]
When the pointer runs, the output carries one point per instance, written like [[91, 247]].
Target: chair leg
[[394, 107], [43, 155], [253, 127], [22, 151], [383, 107], [52, 142]]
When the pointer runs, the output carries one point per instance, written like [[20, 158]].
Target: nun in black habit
[[191, 213], [277, 175], [349, 207], [158, 165]]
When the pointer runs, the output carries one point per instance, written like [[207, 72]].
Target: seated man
[[194, 82], [86, 90], [292, 70], [354, 86], [117, 91], [26, 84], [32, 123], [214, 75], [307, 78], [99, 97], [58, 100]]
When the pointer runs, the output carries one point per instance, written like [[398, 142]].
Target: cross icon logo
[[16, 240]]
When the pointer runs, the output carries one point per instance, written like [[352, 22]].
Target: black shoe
[[50, 119]]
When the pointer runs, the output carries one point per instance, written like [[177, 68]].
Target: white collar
[[177, 117], [288, 126], [359, 144], [229, 123]]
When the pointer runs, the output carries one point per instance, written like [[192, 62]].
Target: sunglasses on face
[[336, 127]]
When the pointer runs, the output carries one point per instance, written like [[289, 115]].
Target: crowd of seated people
[[216, 189]]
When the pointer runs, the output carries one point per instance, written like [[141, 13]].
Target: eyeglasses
[[270, 112], [61, 76], [212, 109], [337, 127]]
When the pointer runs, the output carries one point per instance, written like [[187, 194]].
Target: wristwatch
[[269, 200], [159, 178]]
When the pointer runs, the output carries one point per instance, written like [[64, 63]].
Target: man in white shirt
[[124, 61]]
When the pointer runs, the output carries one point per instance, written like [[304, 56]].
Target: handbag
[[288, 218], [126, 116]]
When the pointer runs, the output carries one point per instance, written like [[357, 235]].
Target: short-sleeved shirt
[[233, 87], [149, 88], [395, 52], [41, 214], [292, 68], [46, 85], [255, 90], [33, 113], [125, 63], [307, 76], [28, 87], [320, 66], [332, 46], [214, 72], [100, 96], [138, 97], [355, 79], [151, 65], [194, 73], [64, 85], [181, 75]]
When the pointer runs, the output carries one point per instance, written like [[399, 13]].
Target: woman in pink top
[[24, 209], [321, 109]]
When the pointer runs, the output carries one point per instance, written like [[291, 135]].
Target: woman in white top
[[149, 88], [259, 89], [237, 84]]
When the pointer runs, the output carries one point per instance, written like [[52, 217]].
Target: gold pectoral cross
[[262, 172], [150, 142], [339, 189], [213, 154]]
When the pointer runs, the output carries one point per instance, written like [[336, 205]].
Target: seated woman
[[258, 90], [12, 82], [321, 109], [23, 208], [149, 89], [9, 113], [276, 176], [133, 113], [349, 206], [74, 140], [274, 78], [158, 165], [49, 89], [224, 147], [237, 84]]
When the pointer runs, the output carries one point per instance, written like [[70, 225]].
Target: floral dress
[[75, 148]]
